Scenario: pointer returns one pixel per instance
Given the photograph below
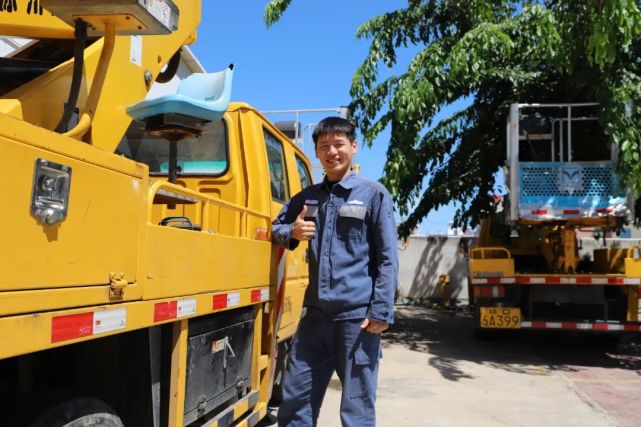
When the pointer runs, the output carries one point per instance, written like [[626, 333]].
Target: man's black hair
[[334, 125]]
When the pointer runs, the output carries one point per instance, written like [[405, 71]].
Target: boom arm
[[123, 76]]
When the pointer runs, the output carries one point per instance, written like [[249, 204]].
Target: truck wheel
[[77, 412]]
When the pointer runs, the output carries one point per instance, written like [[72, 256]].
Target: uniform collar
[[347, 183]]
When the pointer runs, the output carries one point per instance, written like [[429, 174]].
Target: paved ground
[[434, 373]]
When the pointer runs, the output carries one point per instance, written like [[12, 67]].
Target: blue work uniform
[[353, 268]]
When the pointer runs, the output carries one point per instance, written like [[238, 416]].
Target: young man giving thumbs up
[[353, 267]]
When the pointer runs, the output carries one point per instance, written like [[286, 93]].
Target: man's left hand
[[374, 326]]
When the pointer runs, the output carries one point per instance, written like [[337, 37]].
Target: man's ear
[[355, 146]]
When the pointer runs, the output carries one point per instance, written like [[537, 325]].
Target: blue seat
[[204, 96]]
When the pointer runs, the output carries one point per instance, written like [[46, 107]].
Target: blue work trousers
[[322, 346]]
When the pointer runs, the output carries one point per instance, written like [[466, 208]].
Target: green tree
[[492, 53]]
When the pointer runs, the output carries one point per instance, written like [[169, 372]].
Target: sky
[[305, 61]]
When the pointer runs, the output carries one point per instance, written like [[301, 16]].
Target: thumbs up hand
[[301, 229]]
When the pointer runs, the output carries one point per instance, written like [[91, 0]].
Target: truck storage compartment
[[218, 361]]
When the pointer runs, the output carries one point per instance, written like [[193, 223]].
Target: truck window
[[204, 155], [277, 172], [303, 173]]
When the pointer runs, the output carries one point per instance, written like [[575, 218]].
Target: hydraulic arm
[[118, 70]]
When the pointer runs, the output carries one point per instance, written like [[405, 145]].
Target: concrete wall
[[424, 259]]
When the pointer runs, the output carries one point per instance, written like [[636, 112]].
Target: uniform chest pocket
[[350, 221]]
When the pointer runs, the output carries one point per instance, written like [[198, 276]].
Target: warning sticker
[[218, 345]]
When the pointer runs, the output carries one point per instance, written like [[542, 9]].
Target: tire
[[77, 412]]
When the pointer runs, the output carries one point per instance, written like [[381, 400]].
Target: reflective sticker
[[256, 295], [355, 202], [165, 310], [218, 345], [109, 320], [264, 294], [311, 202], [71, 326], [186, 307], [219, 301], [233, 299], [135, 55]]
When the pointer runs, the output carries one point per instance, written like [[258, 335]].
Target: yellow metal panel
[[286, 332], [22, 132], [249, 420], [493, 267], [181, 262], [633, 267], [263, 362], [240, 408], [33, 25], [17, 302], [178, 376], [292, 306], [99, 235]]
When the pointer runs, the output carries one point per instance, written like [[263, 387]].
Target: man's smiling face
[[335, 152]]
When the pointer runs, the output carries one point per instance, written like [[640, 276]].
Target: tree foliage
[[492, 53]]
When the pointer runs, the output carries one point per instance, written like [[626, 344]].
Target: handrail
[[482, 251], [205, 201]]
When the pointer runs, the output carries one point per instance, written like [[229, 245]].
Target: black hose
[[78, 64], [172, 68]]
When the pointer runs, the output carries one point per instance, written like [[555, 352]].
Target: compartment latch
[[117, 286]]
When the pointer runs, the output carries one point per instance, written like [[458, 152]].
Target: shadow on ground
[[447, 339]]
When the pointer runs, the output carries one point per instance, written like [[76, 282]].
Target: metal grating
[[546, 180]]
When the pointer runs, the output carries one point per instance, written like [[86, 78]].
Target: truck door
[[286, 180]]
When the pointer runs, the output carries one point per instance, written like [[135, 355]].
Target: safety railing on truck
[[490, 253], [165, 192]]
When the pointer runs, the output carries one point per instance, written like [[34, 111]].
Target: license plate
[[501, 317]]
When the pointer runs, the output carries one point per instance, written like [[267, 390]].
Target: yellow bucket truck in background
[[537, 264], [140, 286]]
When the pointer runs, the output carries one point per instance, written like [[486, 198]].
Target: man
[[353, 267]]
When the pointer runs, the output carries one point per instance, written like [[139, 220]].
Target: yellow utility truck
[[140, 286], [537, 263]]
